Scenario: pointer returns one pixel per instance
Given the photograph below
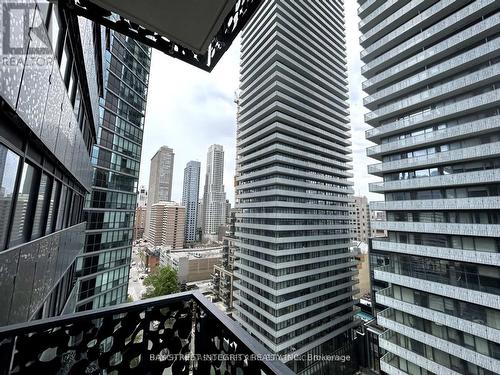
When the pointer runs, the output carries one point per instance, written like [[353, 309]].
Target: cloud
[[189, 110]]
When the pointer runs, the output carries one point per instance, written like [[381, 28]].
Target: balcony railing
[[469, 35], [465, 59], [29, 272], [471, 128], [465, 286], [461, 255], [447, 25], [456, 179], [481, 325], [178, 334]]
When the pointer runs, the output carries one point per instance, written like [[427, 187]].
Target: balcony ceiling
[[191, 23], [197, 32]]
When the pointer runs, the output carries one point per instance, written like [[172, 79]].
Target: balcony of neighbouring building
[[464, 286], [462, 255], [472, 128], [387, 318], [176, 334], [456, 179], [482, 326], [390, 362]]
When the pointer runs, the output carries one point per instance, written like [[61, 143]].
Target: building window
[[26, 199], [41, 207], [9, 162], [52, 209]]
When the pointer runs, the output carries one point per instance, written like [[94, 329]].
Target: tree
[[161, 282]]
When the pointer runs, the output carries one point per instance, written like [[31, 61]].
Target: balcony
[[382, 11], [437, 93], [462, 107], [457, 179], [41, 264], [473, 325], [417, 23], [467, 59], [465, 37], [389, 362], [177, 334], [462, 286], [459, 229], [448, 25], [461, 255], [392, 21], [449, 134], [387, 319], [472, 203], [463, 154]]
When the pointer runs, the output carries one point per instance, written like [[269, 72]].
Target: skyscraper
[[214, 197], [190, 195], [50, 80], [160, 179], [295, 270], [142, 199], [103, 270], [433, 80]]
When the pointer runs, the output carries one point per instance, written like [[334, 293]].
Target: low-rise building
[[223, 276], [192, 264], [363, 266]]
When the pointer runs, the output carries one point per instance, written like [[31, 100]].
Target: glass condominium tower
[[432, 72], [295, 271], [109, 210]]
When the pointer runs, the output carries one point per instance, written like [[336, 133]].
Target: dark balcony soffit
[[196, 32]]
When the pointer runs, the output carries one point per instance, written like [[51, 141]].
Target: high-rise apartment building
[[190, 195], [160, 179], [360, 219], [50, 80], [103, 270], [228, 211], [167, 225], [140, 213], [295, 270], [432, 73], [214, 197], [142, 198]]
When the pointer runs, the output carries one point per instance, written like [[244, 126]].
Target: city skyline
[[200, 111]]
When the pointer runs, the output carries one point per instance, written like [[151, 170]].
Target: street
[[135, 285]]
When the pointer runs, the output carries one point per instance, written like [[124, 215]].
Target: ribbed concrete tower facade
[[433, 80], [292, 194], [190, 194]]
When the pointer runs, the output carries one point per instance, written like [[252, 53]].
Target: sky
[[189, 110]]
